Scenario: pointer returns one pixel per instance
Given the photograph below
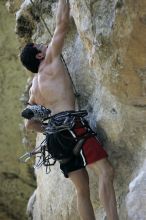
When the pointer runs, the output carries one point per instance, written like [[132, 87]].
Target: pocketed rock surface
[[105, 51]]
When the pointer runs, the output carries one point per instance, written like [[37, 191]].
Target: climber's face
[[42, 48]]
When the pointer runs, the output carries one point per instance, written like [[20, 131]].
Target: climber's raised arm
[[62, 21]]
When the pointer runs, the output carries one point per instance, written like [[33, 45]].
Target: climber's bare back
[[52, 87]]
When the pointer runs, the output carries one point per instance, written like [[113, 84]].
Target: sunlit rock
[[105, 53]]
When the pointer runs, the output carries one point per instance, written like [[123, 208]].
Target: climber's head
[[32, 55]]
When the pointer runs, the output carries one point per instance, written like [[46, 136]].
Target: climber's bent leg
[[105, 172], [81, 181]]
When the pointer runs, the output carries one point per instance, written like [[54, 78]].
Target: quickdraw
[[43, 157]]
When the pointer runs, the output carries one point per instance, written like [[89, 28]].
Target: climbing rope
[[62, 58]]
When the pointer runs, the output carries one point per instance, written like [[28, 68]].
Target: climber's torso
[[52, 87]]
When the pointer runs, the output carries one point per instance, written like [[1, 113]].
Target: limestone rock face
[[105, 52], [137, 192]]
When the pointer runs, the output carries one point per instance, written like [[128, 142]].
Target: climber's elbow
[[34, 125], [28, 125]]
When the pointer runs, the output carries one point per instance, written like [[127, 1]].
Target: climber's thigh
[[74, 164], [80, 179]]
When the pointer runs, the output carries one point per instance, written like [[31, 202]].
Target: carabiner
[[25, 157]]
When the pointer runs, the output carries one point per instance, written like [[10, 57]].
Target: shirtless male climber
[[52, 88]]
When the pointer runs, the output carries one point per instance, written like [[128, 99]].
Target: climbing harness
[[61, 142]]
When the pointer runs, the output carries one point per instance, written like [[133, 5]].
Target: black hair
[[28, 57]]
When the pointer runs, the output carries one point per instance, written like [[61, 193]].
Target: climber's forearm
[[63, 12], [34, 125]]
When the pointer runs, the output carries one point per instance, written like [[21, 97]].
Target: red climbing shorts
[[92, 151]]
